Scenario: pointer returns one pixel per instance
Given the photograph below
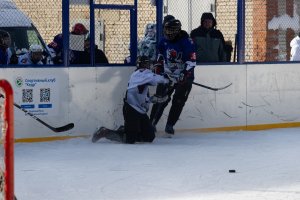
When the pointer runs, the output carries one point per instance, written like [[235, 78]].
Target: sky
[[189, 166]]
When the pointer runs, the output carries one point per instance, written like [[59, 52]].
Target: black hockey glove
[[158, 67], [158, 99], [186, 76]]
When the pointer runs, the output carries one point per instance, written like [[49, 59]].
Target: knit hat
[[79, 29]]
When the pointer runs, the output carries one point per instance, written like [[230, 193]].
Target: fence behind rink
[[269, 26], [263, 35], [113, 21]]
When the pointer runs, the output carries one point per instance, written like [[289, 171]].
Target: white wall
[[93, 96]]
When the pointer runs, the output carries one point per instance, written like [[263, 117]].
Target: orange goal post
[[7, 141]]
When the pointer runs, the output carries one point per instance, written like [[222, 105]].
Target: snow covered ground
[[190, 166]]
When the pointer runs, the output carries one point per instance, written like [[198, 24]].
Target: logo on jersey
[[173, 56], [174, 59]]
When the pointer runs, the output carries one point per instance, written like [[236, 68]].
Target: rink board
[[260, 97]]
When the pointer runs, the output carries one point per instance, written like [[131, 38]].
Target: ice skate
[[100, 133], [169, 129], [121, 129]]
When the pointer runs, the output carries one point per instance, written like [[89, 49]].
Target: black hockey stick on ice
[[212, 88], [55, 129]]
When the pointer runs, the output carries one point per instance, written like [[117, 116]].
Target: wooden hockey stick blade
[[212, 88]]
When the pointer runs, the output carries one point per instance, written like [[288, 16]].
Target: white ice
[[190, 166]]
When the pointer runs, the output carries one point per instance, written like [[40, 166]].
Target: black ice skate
[[169, 129], [100, 133]]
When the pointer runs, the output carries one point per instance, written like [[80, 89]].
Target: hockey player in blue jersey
[[176, 58]]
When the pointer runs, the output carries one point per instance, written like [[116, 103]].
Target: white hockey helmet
[[35, 48]]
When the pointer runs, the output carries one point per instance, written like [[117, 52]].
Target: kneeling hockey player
[[137, 125]]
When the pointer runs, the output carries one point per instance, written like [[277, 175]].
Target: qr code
[[27, 95], [45, 95]]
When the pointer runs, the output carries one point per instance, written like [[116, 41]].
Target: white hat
[[35, 48]]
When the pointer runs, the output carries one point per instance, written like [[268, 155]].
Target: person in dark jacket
[[83, 57], [56, 48], [209, 41], [5, 42]]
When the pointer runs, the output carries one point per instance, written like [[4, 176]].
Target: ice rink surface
[[190, 166]]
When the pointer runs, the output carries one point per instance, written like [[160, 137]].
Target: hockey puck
[[232, 171]]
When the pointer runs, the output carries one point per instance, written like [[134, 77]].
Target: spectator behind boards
[[5, 42], [56, 49], [295, 50], [208, 40], [147, 45], [34, 56], [82, 55]]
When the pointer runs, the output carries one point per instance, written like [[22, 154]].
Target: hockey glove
[[158, 68], [159, 65], [186, 76], [158, 99]]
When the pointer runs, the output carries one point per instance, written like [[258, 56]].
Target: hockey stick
[[174, 78], [212, 88], [55, 129]]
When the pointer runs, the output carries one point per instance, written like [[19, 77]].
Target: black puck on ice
[[232, 171]]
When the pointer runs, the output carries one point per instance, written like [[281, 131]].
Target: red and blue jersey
[[179, 54]]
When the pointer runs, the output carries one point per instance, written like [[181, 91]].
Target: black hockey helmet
[[143, 62], [171, 29], [167, 18]]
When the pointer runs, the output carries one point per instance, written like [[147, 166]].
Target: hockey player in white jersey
[[137, 125]]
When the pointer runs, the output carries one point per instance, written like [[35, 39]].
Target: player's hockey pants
[[180, 96], [138, 127]]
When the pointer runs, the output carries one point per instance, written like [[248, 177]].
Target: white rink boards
[[261, 96]]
